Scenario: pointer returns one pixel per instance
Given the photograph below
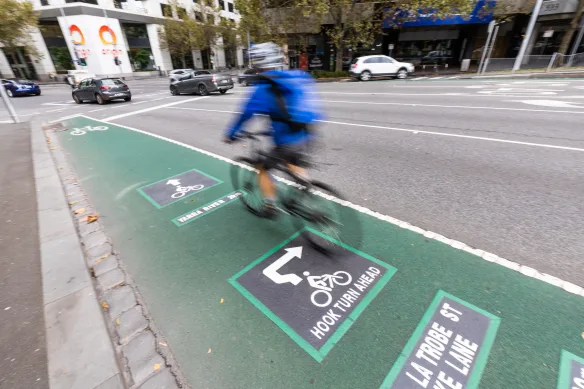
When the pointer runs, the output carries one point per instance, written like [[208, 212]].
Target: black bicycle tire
[[235, 174], [350, 220]]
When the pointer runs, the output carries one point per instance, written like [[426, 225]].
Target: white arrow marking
[[550, 103], [272, 271], [174, 182]]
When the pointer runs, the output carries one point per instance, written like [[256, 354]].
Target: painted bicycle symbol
[[324, 285], [183, 190], [84, 130]]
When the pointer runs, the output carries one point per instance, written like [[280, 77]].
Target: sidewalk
[[22, 338]]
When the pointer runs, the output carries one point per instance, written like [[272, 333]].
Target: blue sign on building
[[481, 14]]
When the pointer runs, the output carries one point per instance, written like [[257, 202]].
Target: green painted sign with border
[[312, 297], [448, 349], [571, 374], [206, 209]]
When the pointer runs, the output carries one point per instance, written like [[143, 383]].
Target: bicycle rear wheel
[[325, 223], [246, 179]]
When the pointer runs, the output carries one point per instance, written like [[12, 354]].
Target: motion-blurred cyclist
[[283, 96]]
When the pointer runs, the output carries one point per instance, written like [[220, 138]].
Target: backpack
[[281, 103]]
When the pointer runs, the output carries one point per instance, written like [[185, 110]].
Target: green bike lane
[[231, 292]]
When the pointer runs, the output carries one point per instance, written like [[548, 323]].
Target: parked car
[[247, 77], [175, 75], [202, 82], [370, 66], [435, 57], [21, 87], [102, 90], [74, 77]]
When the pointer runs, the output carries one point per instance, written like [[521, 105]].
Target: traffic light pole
[[528, 34]]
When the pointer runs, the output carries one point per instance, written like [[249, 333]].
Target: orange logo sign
[[73, 28], [103, 30]]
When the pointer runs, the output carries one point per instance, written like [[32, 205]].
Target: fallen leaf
[[221, 301], [102, 258], [582, 335], [52, 148], [92, 218], [118, 321], [72, 202], [209, 351], [163, 344], [104, 305], [156, 366], [79, 211]]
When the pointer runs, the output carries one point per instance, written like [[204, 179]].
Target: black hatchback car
[[248, 77], [102, 90]]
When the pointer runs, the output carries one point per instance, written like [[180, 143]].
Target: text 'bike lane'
[[405, 311]]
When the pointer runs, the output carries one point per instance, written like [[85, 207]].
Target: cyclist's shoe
[[270, 211]]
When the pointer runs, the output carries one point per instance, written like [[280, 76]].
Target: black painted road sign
[[448, 349], [310, 296], [571, 371], [178, 187]]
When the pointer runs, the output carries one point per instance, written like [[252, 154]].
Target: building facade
[[110, 38]]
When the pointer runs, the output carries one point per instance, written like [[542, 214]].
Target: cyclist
[[283, 96]]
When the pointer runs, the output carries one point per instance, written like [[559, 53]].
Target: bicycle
[[326, 284], [183, 190], [314, 205]]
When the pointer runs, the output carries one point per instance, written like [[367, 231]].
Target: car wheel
[[223, 91], [243, 83], [9, 93], [38, 93], [173, 90], [77, 100], [99, 99], [365, 75], [402, 74], [127, 98], [203, 90]]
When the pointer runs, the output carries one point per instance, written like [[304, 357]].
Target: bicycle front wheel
[[245, 178], [326, 224]]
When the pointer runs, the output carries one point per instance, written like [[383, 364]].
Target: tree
[[142, 57], [574, 24], [62, 57], [18, 19], [178, 35]]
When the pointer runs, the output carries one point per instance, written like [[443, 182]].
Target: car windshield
[[110, 82], [354, 60], [23, 81]]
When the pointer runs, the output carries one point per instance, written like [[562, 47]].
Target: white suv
[[364, 68]]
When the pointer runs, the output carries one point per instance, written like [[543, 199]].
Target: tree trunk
[[574, 24], [184, 62], [339, 57]]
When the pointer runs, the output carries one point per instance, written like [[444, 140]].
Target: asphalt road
[[498, 165]]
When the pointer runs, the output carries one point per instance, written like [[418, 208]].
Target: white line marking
[[67, 117], [96, 110], [457, 136], [422, 132], [436, 78], [419, 78], [206, 110], [490, 257], [438, 94], [139, 102], [151, 109], [448, 106], [56, 110]]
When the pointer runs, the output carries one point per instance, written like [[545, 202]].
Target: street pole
[[8, 104], [577, 42], [486, 47], [528, 34], [486, 63], [248, 49]]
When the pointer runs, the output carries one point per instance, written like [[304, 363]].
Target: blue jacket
[[296, 87]]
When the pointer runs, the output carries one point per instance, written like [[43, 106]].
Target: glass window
[[385, 60], [111, 82], [166, 10], [372, 60], [202, 72], [222, 4], [230, 7], [198, 16]]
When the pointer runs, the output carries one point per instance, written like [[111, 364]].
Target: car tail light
[[213, 79], [353, 66], [125, 86], [104, 87]]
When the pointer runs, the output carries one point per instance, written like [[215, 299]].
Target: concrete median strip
[[94, 315]]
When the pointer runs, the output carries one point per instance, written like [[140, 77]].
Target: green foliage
[[61, 57], [326, 74], [17, 19], [142, 56]]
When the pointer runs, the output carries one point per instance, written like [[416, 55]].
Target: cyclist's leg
[[266, 183]]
